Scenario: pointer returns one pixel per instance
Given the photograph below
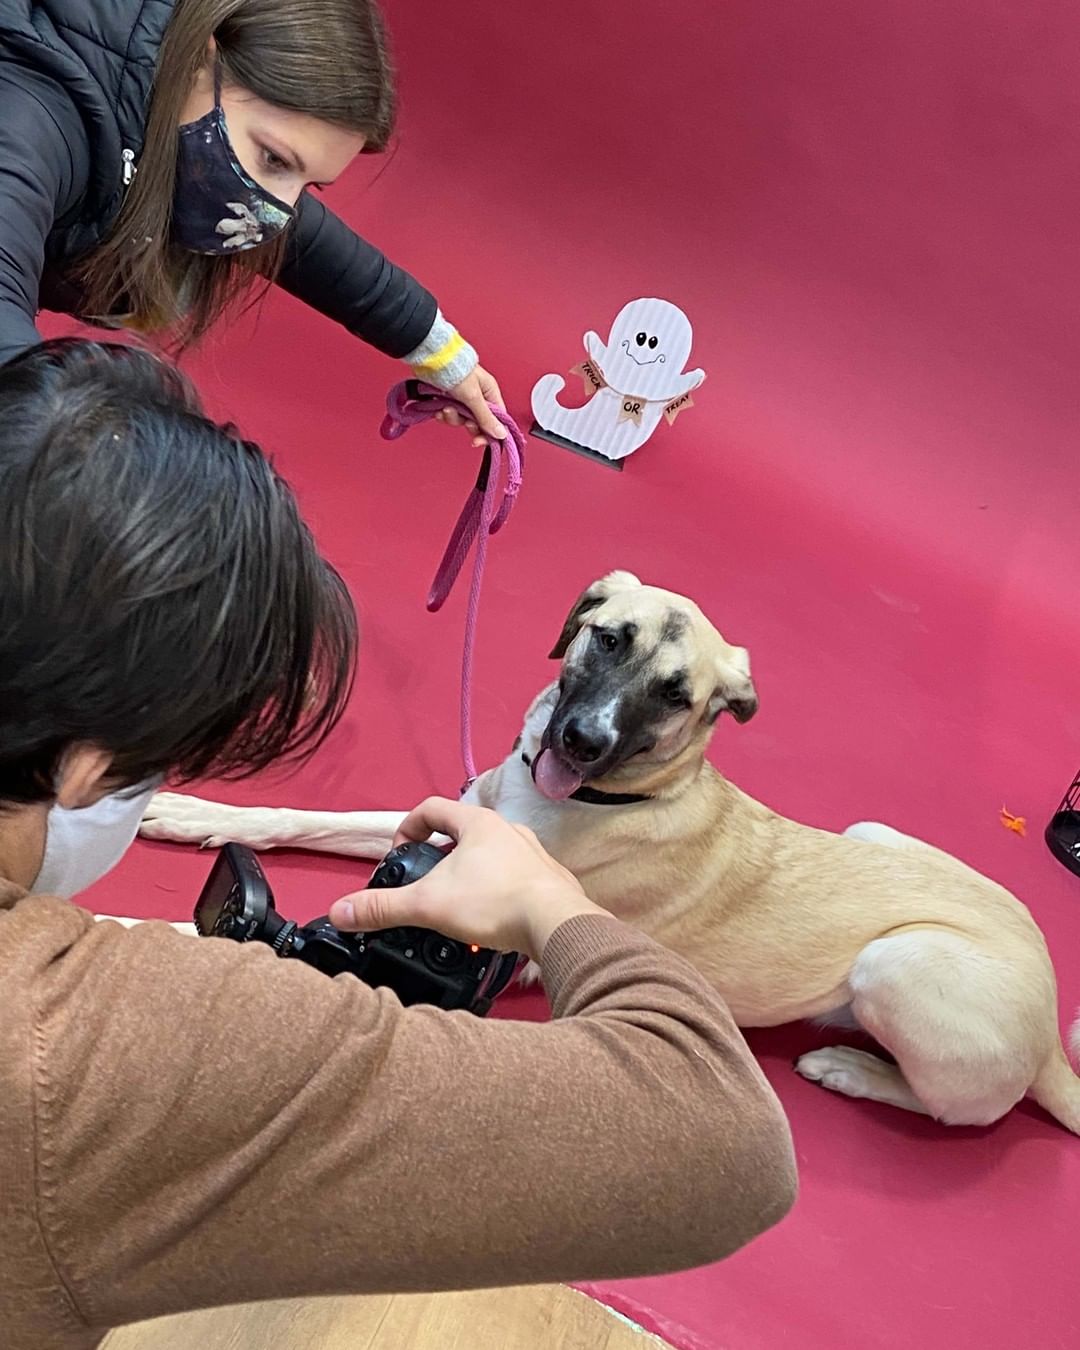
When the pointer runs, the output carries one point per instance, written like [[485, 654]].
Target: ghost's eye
[[653, 342], [641, 339]]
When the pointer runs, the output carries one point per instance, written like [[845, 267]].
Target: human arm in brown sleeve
[[229, 1127]]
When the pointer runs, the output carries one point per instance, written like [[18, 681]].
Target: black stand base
[[550, 436], [1063, 839]]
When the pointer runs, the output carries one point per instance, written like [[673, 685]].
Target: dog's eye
[[641, 337], [608, 641], [674, 692]]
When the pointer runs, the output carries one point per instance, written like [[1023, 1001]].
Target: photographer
[[186, 1123]]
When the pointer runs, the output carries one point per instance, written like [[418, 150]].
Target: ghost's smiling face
[[647, 353], [647, 349]]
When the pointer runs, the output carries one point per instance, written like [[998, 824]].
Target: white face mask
[[84, 843]]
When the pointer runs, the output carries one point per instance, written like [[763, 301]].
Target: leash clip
[[397, 421]]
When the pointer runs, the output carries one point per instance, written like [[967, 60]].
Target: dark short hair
[[160, 596]]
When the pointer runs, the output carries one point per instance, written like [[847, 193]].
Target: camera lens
[[442, 953]]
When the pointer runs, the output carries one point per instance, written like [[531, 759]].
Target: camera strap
[[486, 511]]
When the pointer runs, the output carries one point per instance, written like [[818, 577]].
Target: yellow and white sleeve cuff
[[444, 358]]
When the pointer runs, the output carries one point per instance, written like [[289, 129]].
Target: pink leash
[[483, 514]]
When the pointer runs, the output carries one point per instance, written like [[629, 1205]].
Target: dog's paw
[[839, 1068], [179, 819], [529, 975]]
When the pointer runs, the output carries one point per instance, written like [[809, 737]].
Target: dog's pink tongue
[[555, 778]]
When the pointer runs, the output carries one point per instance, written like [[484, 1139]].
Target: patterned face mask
[[217, 207]]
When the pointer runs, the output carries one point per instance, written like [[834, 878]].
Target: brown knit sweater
[[186, 1123]]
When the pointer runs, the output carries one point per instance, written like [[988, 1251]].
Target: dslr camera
[[419, 965]]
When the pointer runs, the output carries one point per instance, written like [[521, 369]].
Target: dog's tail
[[1057, 1088]]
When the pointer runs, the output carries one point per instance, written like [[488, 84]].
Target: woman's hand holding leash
[[498, 888], [476, 391]]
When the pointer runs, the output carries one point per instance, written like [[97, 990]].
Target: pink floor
[[870, 213]]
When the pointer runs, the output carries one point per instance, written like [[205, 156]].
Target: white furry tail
[[1057, 1088]]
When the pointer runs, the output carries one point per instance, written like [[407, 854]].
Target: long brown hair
[[326, 58]]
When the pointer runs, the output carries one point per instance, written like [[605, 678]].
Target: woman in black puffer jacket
[[156, 158]]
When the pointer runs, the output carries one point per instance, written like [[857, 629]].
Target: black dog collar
[[595, 798]]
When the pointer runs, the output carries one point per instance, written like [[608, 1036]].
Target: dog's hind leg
[[180, 819], [969, 1029], [857, 1073]]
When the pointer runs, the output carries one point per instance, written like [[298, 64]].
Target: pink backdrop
[[870, 213]]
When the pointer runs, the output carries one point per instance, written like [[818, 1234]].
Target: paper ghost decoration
[[634, 379]]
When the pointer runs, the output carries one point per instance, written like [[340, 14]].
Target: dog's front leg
[[181, 819], [188, 929]]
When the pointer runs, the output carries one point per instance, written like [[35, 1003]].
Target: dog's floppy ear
[[588, 600], [734, 692]]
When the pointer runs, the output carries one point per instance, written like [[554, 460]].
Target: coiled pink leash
[[485, 512]]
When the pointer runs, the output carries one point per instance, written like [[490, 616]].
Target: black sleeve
[[333, 270], [37, 184]]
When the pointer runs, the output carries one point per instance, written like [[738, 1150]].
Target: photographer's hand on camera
[[498, 887]]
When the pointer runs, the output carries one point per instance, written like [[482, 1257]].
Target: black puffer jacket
[[75, 79]]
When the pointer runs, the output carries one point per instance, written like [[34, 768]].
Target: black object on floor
[[538, 431], [1063, 832]]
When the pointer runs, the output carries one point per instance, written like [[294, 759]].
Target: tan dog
[[942, 967]]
